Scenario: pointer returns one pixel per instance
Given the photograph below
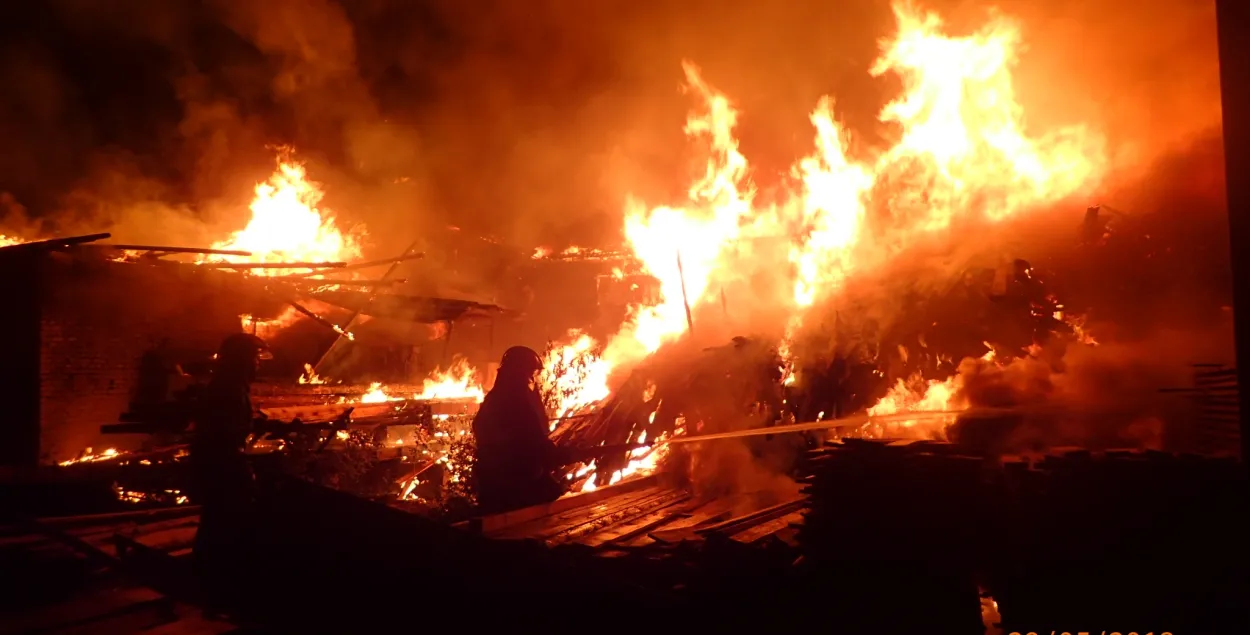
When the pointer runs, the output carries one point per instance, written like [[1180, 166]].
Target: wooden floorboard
[[80, 608]]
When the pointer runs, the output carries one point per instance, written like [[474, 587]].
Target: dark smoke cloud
[[528, 121]]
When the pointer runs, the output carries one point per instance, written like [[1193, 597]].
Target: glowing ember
[[169, 496], [310, 376], [87, 456]]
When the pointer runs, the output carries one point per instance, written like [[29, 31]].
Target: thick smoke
[[1106, 397], [530, 122]]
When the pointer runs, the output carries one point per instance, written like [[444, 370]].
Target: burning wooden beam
[[177, 250], [320, 320], [275, 265], [366, 265], [318, 282], [359, 309]]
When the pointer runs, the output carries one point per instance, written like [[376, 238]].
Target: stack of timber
[[1215, 390], [102, 574], [694, 553], [648, 512], [1074, 536], [1141, 537], [897, 516]]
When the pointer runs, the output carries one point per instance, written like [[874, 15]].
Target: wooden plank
[[360, 265], [317, 413], [762, 515], [763, 530], [548, 525], [80, 609], [714, 512], [142, 516], [124, 622], [169, 539], [273, 265], [53, 243], [625, 514], [178, 250], [640, 527], [191, 622], [497, 522]]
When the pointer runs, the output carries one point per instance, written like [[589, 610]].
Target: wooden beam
[[498, 522], [366, 265], [53, 243], [359, 309], [178, 250], [274, 265], [328, 412], [312, 282], [320, 320]]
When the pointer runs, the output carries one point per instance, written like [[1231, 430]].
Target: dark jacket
[[515, 457], [224, 420], [220, 474]]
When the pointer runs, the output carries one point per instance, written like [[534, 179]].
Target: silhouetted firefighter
[[515, 457], [222, 480]]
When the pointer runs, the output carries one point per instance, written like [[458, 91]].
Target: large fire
[[288, 226], [961, 155]]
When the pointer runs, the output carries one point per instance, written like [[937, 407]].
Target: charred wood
[[54, 243]]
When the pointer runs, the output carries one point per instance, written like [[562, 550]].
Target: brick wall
[[97, 321]]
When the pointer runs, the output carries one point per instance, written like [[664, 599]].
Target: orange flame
[[961, 154], [457, 382], [87, 456], [575, 374], [376, 394], [288, 226]]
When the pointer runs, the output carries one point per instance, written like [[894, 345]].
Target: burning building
[[908, 335], [87, 331]]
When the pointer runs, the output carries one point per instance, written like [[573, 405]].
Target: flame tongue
[[288, 226], [457, 382], [961, 155]]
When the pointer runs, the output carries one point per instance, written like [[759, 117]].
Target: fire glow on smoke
[[960, 154]]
